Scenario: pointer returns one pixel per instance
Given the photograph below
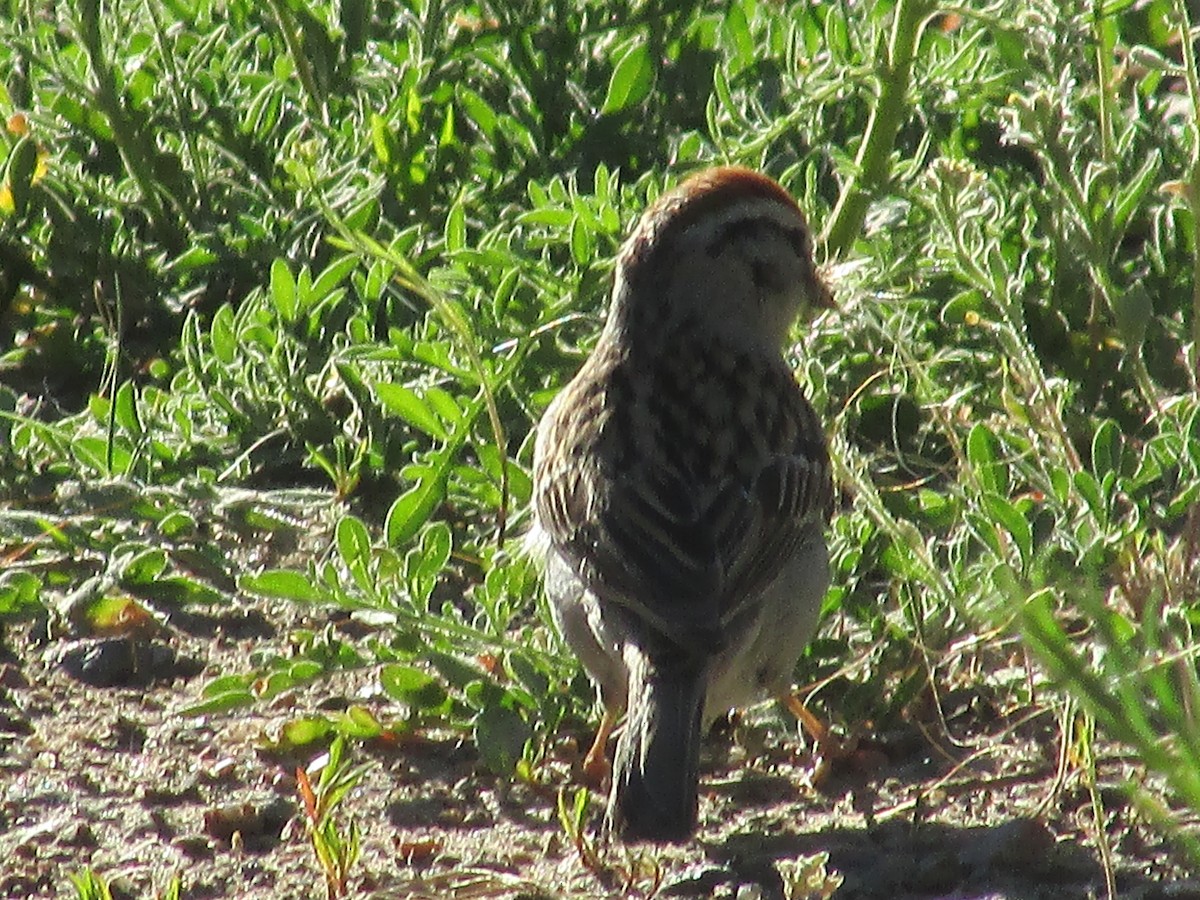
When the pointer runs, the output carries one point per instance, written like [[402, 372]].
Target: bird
[[682, 488]]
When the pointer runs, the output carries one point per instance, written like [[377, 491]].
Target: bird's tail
[[657, 761]]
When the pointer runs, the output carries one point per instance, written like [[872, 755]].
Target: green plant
[[279, 274], [90, 886], [336, 846], [627, 870]]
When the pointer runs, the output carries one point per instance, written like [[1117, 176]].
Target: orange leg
[[596, 768], [834, 757], [828, 745]]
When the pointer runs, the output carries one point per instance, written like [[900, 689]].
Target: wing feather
[[683, 541]]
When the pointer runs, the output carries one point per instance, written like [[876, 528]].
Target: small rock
[[1021, 843], [937, 872], [118, 661], [224, 822], [700, 881], [12, 678], [11, 724], [255, 825], [193, 847], [79, 834]]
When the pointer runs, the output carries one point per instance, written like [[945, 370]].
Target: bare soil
[[115, 779]]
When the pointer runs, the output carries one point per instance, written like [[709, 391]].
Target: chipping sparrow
[[682, 486]]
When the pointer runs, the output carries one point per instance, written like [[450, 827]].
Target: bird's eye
[[765, 276]]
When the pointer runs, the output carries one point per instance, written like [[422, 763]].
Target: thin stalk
[[136, 152], [304, 70], [177, 87], [1192, 191], [873, 165], [1104, 82], [112, 367]]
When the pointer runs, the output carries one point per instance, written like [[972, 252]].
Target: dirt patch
[[114, 778]]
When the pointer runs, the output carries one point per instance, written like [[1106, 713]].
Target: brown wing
[[683, 538], [790, 504]]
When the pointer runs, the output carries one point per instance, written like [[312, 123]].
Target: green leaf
[[413, 508], [1141, 55], [19, 591], [284, 583], [405, 403], [1086, 484], [303, 732], [582, 245], [533, 680], [126, 412], [632, 78], [455, 671], [1132, 191], [837, 36], [1060, 483], [93, 451], [192, 259], [500, 736], [1184, 500], [984, 528], [504, 292], [1008, 517], [222, 336], [218, 703], [412, 686], [303, 670], [446, 137], [1106, 449], [180, 590], [443, 404], [145, 567], [353, 542], [737, 33], [960, 309], [223, 684], [384, 142], [299, 672], [360, 723], [332, 276], [477, 109], [283, 291], [456, 227], [937, 508], [982, 450], [177, 525], [436, 545]]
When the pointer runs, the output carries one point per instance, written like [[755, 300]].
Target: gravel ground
[[114, 778]]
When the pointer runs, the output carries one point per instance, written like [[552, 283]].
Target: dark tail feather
[[657, 761]]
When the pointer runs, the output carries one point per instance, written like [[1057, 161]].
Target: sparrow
[[682, 488]]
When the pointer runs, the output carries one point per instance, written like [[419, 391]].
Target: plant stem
[[1192, 189], [872, 167], [1104, 80], [136, 151], [304, 72]]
